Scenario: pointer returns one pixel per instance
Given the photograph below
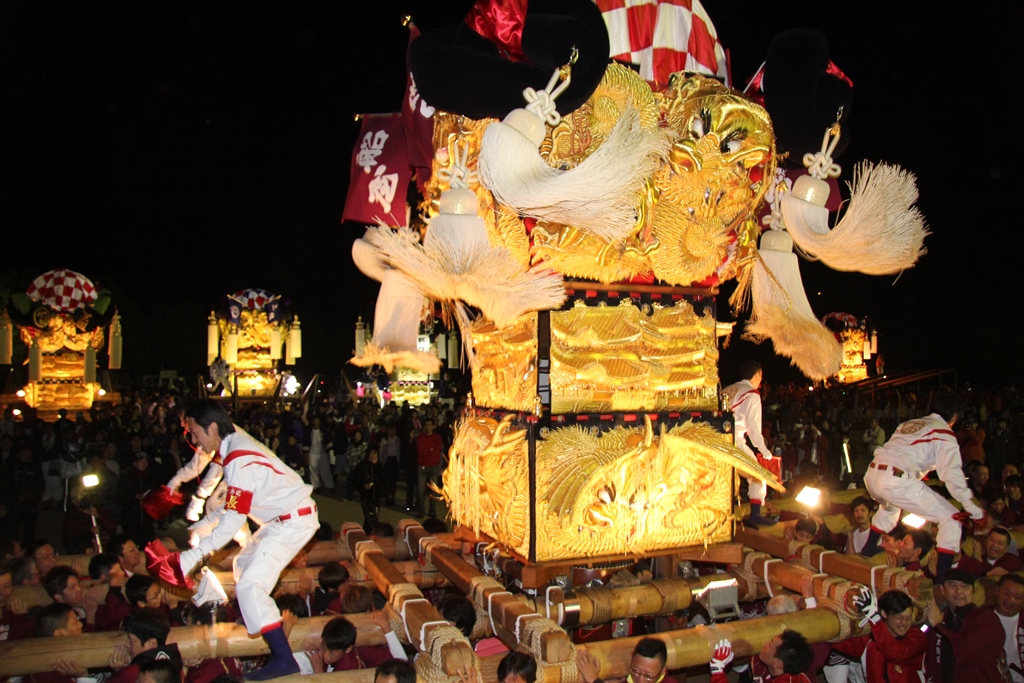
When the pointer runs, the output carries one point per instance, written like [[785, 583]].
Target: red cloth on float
[[158, 503], [165, 565]]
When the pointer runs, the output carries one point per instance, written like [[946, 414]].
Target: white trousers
[[898, 494], [258, 567]]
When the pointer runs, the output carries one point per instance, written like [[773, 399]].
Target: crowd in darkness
[[353, 448]]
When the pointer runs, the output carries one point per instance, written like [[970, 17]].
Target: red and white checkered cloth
[[252, 299], [62, 290], [664, 36]]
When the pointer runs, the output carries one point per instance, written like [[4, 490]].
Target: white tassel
[[598, 196], [881, 232], [483, 276], [782, 313], [374, 354]]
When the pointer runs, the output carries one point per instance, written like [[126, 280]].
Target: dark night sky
[[176, 152]]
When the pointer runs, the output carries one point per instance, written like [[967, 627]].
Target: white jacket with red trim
[[745, 404], [925, 444], [260, 486]]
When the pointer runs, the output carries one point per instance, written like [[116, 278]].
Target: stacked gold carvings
[[623, 491], [257, 371], [627, 490], [63, 365], [853, 368], [622, 358]]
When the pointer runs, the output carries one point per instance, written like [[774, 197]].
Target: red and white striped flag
[[664, 36]]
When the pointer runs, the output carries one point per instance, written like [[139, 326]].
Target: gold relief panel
[[505, 364]]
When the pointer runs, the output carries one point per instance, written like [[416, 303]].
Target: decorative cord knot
[[542, 102], [459, 176], [820, 163]]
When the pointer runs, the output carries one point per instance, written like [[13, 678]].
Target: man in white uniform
[[894, 479], [745, 403], [262, 487]]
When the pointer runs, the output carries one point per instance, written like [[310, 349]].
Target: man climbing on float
[[744, 401], [262, 487], [894, 479]]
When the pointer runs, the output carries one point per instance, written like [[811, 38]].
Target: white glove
[[195, 509], [188, 559], [867, 604], [722, 656]]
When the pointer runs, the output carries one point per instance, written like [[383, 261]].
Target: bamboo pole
[[419, 616], [37, 655], [852, 567]]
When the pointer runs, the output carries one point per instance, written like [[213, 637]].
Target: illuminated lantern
[[275, 343], [6, 340], [442, 346], [212, 339], [114, 350], [453, 351], [231, 346], [295, 337], [89, 374], [360, 336], [35, 362]]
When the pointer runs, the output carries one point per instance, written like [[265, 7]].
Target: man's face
[[958, 593], [899, 623], [129, 557], [1010, 599], [803, 536], [981, 474], [906, 550], [74, 625], [72, 593], [995, 546], [46, 559], [861, 515], [153, 596], [767, 653], [206, 437], [135, 646], [755, 381], [328, 655], [646, 669]]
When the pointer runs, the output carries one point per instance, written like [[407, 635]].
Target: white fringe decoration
[[881, 232], [374, 354], [598, 196], [483, 276], [782, 313]]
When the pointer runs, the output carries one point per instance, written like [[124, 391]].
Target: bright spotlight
[[809, 496], [90, 480]]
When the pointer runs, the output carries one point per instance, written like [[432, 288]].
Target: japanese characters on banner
[[380, 172]]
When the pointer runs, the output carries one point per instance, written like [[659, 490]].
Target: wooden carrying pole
[[419, 617], [507, 613], [851, 567], [337, 550], [37, 655]]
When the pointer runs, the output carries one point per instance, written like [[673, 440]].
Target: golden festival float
[[859, 340], [247, 337], [64, 321], [578, 221]]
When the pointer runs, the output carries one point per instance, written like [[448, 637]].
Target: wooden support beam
[[792, 577], [420, 617], [336, 550], [851, 567], [37, 655]]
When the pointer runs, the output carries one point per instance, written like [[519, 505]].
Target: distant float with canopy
[[248, 335], [64, 320]]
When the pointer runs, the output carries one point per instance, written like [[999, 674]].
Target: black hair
[[293, 603], [356, 599], [795, 652], [36, 545], [57, 580], [148, 623], [1010, 578], [325, 532], [460, 611], [922, 539], [652, 648], [52, 617], [807, 525], [339, 634], [136, 587], [206, 614], [21, 569], [895, 602], [100, 565], [518, 664], [6, 547], [332, 575], [382, 530], [862, 500], [206, 411], [1001, 530], [162, 671], [116, 544], [749, 369], [401, 670], [433, 525], [946, 404], [1015, 480]]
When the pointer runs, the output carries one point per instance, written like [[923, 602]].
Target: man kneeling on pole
[[894, 479], [263, 488]]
